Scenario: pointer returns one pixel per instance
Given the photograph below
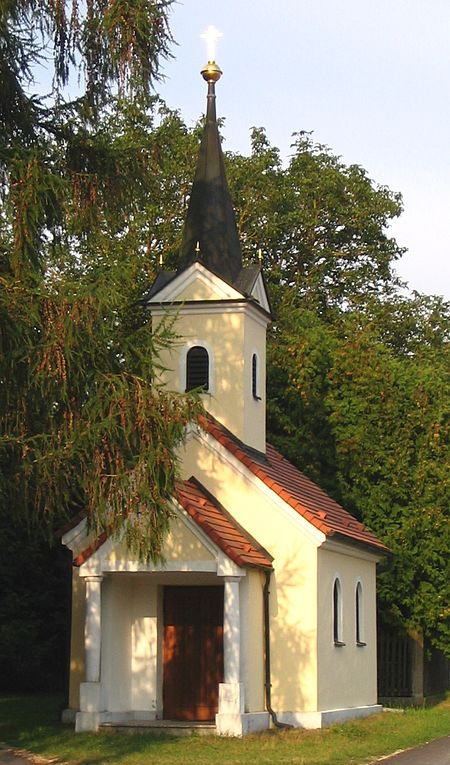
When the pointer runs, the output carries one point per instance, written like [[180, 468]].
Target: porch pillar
[[93, 628], [231, 630], [231, 692], [88, 717]]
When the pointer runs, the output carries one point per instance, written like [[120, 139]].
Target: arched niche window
[[255, 377], [337, 613], [197, 368], [359, 618]]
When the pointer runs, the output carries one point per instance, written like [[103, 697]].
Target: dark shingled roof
[[298, 491], [210, 219]]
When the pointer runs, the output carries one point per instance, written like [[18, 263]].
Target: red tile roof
[[298, 491], [220, 526], [214, 521], [83, 556]]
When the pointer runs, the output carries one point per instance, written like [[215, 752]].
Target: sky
[[369, 78]]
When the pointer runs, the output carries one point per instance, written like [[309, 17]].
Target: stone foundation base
[[322, 719], [240, 724]]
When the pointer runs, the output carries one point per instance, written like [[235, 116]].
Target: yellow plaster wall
[[129, 647], [224, 336], [294, 584], [77, 638], [348, 674], [183, 544], [231, 338], [254, 414]]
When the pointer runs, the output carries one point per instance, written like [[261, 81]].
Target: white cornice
[[76, 537], [259, 293], [199, 307], [351, 549]]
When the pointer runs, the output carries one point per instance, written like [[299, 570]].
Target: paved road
[[435, 753], [7, 757], [15, 757]]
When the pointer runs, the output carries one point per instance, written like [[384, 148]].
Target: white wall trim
[[362, 616], [74, 535], [199, 307], [351, 550], [98, 563], [323, 718]]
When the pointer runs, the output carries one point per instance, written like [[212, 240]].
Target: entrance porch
[[166, 648]]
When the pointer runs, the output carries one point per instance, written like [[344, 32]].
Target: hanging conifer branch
[[83, 425]]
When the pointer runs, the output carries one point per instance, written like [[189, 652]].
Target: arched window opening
[[255, 380], [337, 613], [197, 368], [359, 615]]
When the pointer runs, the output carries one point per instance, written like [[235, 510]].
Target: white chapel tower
[[222, 307]]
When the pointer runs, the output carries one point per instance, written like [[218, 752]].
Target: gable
[[200, 535], [195, 283], [221, 527], [182, 544], [259, 293]]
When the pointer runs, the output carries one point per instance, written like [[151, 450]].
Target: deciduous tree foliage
[[361, 404], [321, 224]]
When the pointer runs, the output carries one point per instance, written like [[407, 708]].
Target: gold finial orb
[[211, 72]]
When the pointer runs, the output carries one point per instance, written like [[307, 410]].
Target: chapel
[[264, 610]]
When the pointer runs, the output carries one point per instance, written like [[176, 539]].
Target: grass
[[31, 723]]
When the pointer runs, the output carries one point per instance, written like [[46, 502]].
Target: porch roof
[[298, 491], [212, 518], [220, 526]]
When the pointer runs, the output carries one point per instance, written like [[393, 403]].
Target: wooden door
[[193, 652]]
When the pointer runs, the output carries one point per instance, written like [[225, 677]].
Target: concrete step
[[160, 727]]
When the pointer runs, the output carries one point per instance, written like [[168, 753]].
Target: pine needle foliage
[[84, 424]]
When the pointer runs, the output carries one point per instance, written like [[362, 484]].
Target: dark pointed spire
[[210, 232]]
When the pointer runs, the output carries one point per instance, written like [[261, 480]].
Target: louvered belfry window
[[197, 368]]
